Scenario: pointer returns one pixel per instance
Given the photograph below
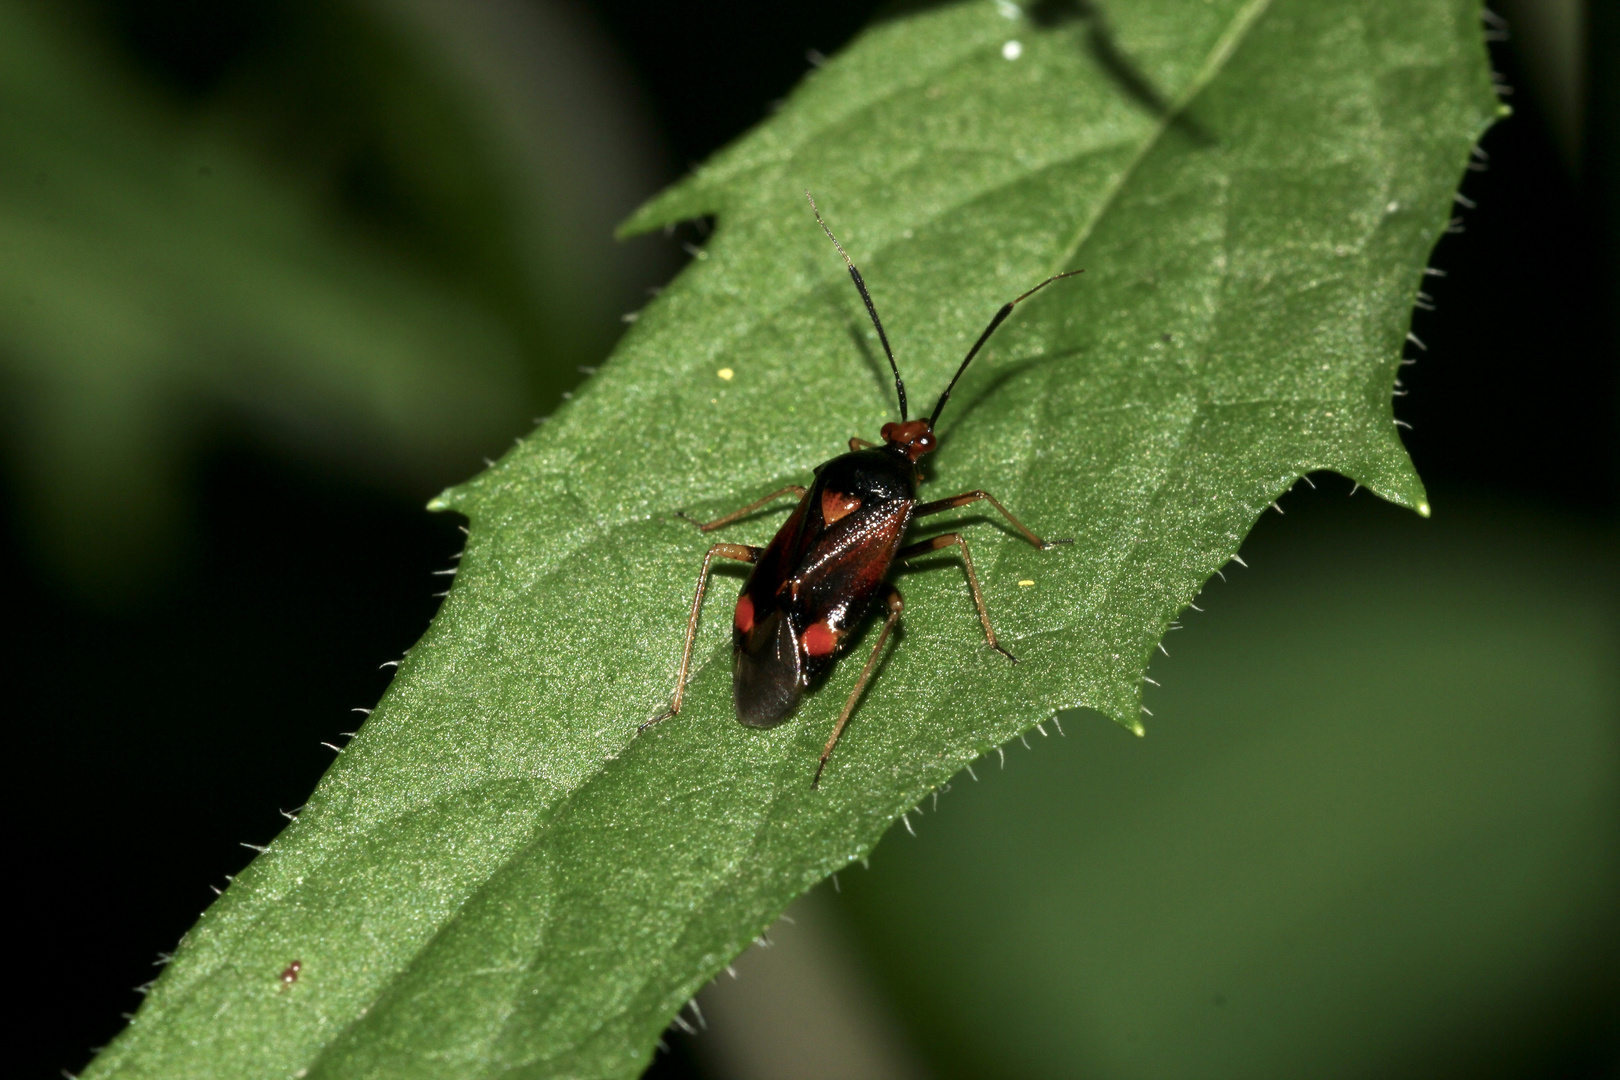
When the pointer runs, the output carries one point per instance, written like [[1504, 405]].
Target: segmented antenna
[[899, 386], [1000, 317]]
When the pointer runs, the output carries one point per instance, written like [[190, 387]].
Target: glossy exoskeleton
[[820, 575]]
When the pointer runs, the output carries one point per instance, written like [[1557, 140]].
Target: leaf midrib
[[1110, 569]]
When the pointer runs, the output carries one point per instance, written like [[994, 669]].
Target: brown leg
[[858, 443], [974, 496], [923, 547], [745, 511], [895, 605], [740, 552]]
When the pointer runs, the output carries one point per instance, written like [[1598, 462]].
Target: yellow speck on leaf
[[725, 373], [1026, 583]]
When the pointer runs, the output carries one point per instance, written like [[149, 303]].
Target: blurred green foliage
[[369, 239], [1373, 831]]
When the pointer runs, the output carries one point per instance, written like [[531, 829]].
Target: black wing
[[816, 581]]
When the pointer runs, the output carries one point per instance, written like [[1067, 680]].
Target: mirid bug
[[818, 578]]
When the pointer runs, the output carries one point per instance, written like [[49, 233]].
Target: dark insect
[[290, 974], [819, 576]]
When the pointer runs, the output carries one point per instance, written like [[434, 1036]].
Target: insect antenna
[[1000, 317], [899, 386]]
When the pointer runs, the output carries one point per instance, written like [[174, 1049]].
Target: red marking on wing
[[819, 639], [835, 504], [744, 619], [855, 562]]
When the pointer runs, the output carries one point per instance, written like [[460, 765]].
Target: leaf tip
[[683, 201], [1423, 509], [1131, 724]]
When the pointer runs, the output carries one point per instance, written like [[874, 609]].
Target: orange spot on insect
[[744, 619], [819, 639], [835, 504]]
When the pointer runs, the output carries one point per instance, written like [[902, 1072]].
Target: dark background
[[153, 737]]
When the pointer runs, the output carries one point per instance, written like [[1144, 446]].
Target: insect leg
[[974, 496], [923, 547], [742, 553], [858, 443], [710, 526], [895, 605]]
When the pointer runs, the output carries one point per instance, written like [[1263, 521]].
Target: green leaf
[[498, 876]]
